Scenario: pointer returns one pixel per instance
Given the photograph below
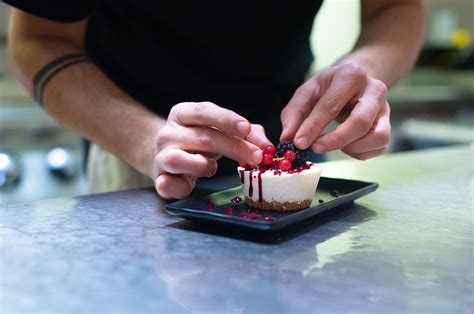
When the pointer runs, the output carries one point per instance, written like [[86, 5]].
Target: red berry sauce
[[250, 215], [250, 183], [229, 211], [260, 199], [210, 206]]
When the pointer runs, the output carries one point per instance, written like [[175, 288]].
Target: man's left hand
[[347, 94]]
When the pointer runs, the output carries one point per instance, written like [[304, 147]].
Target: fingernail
[[319, 148], [193, 182], [302, 142], [213, 172], [242, 128], [257, 156]]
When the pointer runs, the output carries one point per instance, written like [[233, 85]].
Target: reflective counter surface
[[406, 248]]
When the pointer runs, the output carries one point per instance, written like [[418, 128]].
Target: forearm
[[83, 98], [390, 40]]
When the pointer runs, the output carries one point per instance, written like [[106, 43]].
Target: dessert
[[283, 181]]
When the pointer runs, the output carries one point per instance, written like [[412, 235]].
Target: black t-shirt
[[248, 56]]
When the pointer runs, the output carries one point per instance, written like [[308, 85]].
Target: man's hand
[[353, 92], [193, 138], [344, 93]]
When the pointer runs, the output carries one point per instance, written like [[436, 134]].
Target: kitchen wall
[[446, 16], [337, 27], [335, 31]]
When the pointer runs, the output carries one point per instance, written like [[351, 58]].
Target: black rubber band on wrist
[[47, 72]]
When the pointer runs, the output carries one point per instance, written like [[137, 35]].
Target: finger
[[377, 138], [369, 154], [358, 123], [208, 140], [257, 136], [171, 186], [212, 155], [176, 161], [209, 114], [298, 108], [346, 86]]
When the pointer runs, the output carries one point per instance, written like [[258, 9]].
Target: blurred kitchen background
[[433, 106]]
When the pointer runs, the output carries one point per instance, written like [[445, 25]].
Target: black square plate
[[219, 208]]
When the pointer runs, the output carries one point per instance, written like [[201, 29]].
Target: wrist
[[141, 152]]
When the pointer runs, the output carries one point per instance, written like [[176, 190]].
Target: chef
[[163, 89]]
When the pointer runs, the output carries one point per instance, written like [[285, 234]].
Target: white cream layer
[[294, 187]]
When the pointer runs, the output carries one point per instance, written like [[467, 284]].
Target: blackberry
[[282, 147], [301, 158], [301, 155]]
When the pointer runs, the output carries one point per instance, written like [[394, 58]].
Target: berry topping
[[267, 159], [301, 158], [274, 158], [290, 155], [284, 164], [270, 149], [283, 147], [301, 155]]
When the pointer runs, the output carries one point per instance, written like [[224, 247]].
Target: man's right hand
[[194, 137], [173, 152]]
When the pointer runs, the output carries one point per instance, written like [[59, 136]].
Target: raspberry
[[290, 155], [284, 164], [267, 159], [270, 149]]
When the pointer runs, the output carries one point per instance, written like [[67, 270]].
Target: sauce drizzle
[[242, 177], [250, 183], [260, 199]]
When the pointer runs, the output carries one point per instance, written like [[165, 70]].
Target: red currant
[[270, 149], [267, 159], [284, 164], [290, 155]]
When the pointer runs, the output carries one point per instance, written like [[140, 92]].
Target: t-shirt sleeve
[[56, 10]]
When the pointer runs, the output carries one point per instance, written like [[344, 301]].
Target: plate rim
[[182, 211]]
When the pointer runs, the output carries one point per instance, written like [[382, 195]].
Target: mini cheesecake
[[284, 180], [281, 190]]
